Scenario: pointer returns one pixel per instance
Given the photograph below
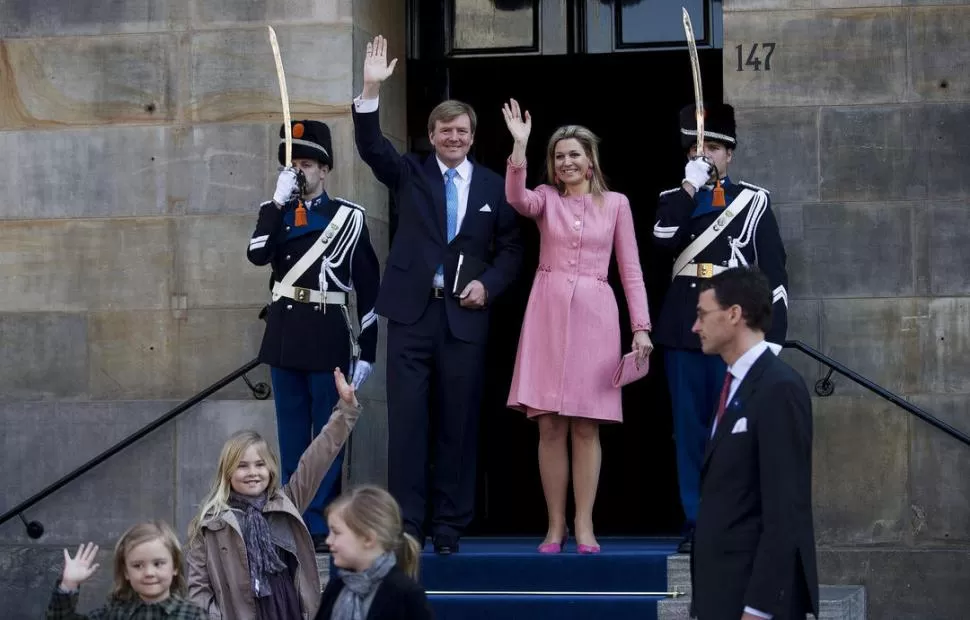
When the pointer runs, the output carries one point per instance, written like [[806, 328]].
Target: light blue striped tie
[[451, 204], [451, 201]]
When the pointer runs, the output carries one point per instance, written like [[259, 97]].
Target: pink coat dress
[[570, 341]]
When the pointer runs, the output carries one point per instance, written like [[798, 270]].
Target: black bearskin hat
[[311, 140], [718, 125]]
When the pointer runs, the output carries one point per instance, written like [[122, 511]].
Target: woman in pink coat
[[570, 341]]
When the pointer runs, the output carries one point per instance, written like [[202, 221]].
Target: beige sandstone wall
[[137, 140], [860, 129]]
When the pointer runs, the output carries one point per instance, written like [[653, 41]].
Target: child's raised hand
[[345, 390], [79, 568]]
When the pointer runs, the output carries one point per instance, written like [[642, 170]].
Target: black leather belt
[[437, 292]]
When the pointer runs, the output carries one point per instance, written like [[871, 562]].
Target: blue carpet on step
[[505, 564], [503, 578]]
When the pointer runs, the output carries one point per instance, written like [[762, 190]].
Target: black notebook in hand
[[469, 268]]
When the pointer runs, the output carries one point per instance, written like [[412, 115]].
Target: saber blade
[[698, 91], [287, 129]]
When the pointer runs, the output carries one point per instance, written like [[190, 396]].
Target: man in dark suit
[[754, 545], [449, 209]]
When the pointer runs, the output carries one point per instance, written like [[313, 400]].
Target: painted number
[[756, 57]]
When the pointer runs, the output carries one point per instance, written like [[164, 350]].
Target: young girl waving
[[149, 583], [249, 529], [376, 561]]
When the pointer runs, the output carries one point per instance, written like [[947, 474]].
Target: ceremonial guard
[[711, 224], [319, 250]]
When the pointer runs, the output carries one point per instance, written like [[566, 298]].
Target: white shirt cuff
[[364, 106], [755, 612]]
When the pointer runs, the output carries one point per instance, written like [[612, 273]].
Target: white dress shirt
[[463, 179], [738, 370]]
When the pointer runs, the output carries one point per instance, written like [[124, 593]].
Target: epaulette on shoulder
[[754, 187], [344, 201], [669, 191]]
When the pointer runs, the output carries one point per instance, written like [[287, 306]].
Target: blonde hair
[[369, 510], [450, 110], [217, 500], [590, 144], [138, 535]]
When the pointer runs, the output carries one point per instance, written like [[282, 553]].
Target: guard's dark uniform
[[305, 339], [747, 236]]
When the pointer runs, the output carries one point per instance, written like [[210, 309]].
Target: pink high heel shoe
[[553, 547], [584, 549]]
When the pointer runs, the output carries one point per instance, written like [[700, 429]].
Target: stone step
[[836, 603], [843, 602]]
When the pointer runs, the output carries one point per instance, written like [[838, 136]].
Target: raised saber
[[299, 217], [695, 67], [287, 129]]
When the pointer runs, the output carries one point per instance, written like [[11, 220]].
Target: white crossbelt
[[682, 266], [285, 288], [309, 295]]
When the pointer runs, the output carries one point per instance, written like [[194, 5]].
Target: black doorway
[[630, 101]]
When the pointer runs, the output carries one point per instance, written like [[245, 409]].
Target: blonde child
[[377, 562], [149, 582], [250, 555]]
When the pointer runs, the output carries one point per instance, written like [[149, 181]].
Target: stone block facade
[[855, 128], [140, 138]]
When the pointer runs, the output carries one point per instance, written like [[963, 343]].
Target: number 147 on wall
[[756, 56]]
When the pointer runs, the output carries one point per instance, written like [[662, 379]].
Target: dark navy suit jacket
[[489, 232], [755, 540]]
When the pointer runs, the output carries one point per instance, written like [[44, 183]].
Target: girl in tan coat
[[250, 555]]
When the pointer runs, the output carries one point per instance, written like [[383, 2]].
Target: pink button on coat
[[570, 341]]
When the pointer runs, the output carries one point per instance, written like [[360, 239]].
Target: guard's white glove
[[286, 186], [698, 172], [362, 370]]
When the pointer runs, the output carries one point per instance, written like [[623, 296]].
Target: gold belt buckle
[[301, 294], [705, 270]]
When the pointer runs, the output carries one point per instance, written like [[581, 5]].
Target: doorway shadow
[[631, 101]]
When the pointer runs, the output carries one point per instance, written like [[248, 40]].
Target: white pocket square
[[485, 209], [741, 426]]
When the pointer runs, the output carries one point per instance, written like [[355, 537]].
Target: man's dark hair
[[746, 287]]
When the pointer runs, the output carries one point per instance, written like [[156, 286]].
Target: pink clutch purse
[[629, 371]]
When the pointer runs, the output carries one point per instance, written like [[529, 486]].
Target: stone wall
[[139, 138], [859, 129]]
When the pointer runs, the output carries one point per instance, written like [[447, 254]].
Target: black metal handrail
[[825, 387], [35, 529]]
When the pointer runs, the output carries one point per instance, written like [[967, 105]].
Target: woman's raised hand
[[519, 126]]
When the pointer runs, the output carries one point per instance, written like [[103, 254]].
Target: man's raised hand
[[376, 67]]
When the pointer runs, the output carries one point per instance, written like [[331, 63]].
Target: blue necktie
[[451, 201], [451, 204]]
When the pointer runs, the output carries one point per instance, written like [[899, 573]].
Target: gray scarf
[[260, 548], [354, 599]]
